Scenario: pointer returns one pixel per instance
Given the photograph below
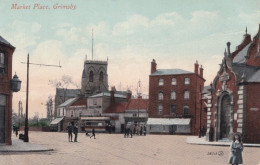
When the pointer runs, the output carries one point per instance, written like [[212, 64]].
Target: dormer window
[[2, 62]]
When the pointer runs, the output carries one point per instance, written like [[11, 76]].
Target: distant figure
[[14, 128], [16, 131], [134, 130], [144, 130], [87, 133], [141, 130], [125, 131], [131, 131], [69, 128], [75, 131], [93, 134], [236, 150]]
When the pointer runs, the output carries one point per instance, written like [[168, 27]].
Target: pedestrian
[[69, 128], [141, 130], [75, 131], [93, 134], [16, 131], [144, 130], [236, 150], [134, 130], [131, 131], [14, 128]]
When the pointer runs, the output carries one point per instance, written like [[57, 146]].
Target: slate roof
[[69, 92], [240, 57], [252, 74], [4, 41], [159, 72]]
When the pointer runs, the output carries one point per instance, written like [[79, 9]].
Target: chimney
[[153, 66], [201, 71], [112, 95], [228, 47], [128, 95], [196, 68]]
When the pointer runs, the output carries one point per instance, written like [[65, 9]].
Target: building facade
[[94, 77], [6, 55], [176, 93], [234, 98]]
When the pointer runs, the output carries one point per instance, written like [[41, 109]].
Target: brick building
[[6, 54], [234, 99], [176, 93]]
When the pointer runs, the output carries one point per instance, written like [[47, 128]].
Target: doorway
[[2, 124], [225, 117]]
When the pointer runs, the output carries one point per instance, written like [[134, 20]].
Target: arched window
[[91, 75], [173, 95], [160, 96], [101, 76], [187, 95], [174, 82], [160, 82], [185, 109]]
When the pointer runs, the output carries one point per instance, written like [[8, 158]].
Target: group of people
[[134, 130], [72, 129]]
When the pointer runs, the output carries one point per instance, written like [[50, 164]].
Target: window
[[160, 82], [2, 62], [94, 101], [185, 109], [91, 76], [173, 95], [187, 95], [160, 109], [160, 96], [174, 82], [101, 76], [71, 113], [187, 81], [173, 108]]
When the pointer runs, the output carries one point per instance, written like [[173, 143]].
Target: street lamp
[[15, 84]]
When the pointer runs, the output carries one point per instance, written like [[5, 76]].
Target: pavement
[[203, 141], [20, 146]]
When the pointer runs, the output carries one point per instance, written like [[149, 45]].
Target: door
[[172, 129], [2, 124], [225, 117]]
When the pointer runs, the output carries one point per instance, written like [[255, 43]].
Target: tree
[[49, 107]]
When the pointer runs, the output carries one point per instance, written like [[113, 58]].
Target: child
[[236, 150]]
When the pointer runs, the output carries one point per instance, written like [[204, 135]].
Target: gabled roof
[[135, 104], [160, 72], [4, 41], [68, 102], [241, 56]]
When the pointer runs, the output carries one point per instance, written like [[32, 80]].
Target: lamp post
[[26, 138]]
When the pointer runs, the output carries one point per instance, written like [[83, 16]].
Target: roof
[[251, 73], [56, 121], [135, 104], [206, 89], [160, 72], [168, 121], [69, 92], [4, 41], [108, 95], [241, 56], [94, 118], [117, 108], [80, 102], [68, 102]]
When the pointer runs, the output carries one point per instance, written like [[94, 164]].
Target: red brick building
[[6, 54], [176, 93], [234, 104]]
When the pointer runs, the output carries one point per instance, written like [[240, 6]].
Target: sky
[[129, 33]]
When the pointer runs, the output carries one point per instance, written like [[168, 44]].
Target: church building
[[233, 104]]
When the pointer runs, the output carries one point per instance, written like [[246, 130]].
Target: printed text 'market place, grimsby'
[[38, 6]]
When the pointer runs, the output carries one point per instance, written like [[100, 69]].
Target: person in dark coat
[[141, 130], [236, 150], [16, 131], [69, 128], [75, 131], [93, 134], [144, 130]]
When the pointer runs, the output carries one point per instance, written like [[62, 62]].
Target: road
[[115, 149]]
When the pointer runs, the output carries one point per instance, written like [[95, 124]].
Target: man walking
[[75, 131], [93, 134], [69, 128]]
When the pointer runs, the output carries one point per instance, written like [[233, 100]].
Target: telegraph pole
[[26, 128]]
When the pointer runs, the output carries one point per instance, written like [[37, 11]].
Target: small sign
[[254, 109]]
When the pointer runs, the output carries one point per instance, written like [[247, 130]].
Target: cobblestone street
[[114, 149]]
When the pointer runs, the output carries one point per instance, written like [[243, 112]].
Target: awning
[[95, 118], [168, 121], [56, 121]]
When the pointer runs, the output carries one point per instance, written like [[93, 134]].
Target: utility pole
[[201, 93], [26, 128]]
